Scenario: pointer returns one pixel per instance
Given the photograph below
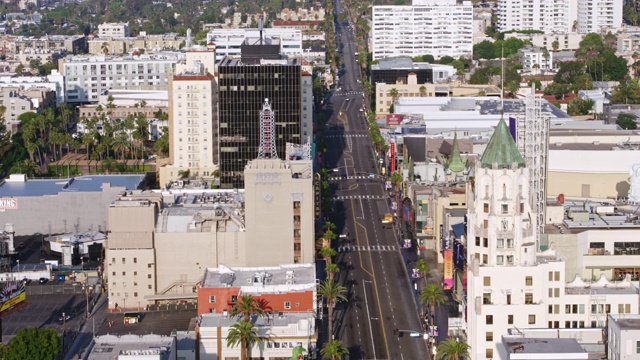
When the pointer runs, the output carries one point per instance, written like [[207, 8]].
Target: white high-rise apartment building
[[595, 16], [229, 41], [438, 28], [510, 284], [559, 16], [86, 77]]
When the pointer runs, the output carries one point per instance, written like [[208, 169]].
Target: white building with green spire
[[511, 285]]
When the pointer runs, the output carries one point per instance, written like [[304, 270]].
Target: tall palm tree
[[120, 144], [423, 268], [331, 270], [332, 291], [247, 305], [327, 253], [432, 295], [333, 350], [452, 349], [245, 334]]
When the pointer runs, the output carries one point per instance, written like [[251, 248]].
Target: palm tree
[[184, 174], [105, 48], [423, 91], [333, 350], [423, 268], [432, 295], [331, 270], [247, 305], [120, 144], [245, 334], [327, 253], [332, 291], [452, 349], [394, 95]]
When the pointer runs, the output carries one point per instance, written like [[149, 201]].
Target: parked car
[[43, 280], [21, 246]]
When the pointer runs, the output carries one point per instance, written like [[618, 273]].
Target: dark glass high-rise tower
[[244, 84]]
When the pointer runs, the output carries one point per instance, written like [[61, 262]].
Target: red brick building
[[286, 288]]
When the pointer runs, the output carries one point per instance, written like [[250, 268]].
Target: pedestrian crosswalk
[[338, 178], [347, 136], [358, 197], [349, 248], [346, 93]]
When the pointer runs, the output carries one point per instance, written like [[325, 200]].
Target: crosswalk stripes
[[347, 93], [345, 136], [337, 178], [348, 248], [357, 197]]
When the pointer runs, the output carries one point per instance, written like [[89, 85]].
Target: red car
[[21, 246]]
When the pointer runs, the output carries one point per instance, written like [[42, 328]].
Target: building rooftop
[[87, 236], [626, 321], [262, 280], [542, 346], [399, 63], [275, 320], [18, 185], [108, 347], [165, 56]]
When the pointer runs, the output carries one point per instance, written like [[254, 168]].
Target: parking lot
[[44, 311], [158, 322]]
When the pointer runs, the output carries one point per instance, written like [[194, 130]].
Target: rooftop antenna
[[502, 85], [267, 147]]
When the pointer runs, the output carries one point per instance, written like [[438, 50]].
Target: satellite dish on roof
[[227, 278]]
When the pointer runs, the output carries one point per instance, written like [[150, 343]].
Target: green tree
[[483, 50], [184, 174], [429, 59], [579, 106], [430, 296], [162, 144], [568, 71], [423, 268], [332, 292], [333, 350], [590, 45], [627, 92], [446, 60], [245, 334], [327, 253], [452, 349], [627, 121], [555, 45], [120, 144], [19, 68], [247, 305], [557, 90], [331, 270], [34, 343], [5, 136]]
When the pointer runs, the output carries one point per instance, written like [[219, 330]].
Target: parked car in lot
[[43, 280]]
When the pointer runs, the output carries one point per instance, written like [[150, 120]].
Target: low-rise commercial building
[[113, 30], [282, 334], [623, 337], [61, 205], [133, 347], [285, 288]]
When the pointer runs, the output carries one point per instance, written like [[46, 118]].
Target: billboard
[[448, 270], [392, 147], [8, 203], [405, 119]]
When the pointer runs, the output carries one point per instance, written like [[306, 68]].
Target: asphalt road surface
[[381, 296]]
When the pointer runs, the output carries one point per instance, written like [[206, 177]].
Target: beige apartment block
[[122, 45], [413, 89], [162, 241]]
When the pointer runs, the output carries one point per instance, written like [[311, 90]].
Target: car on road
[[21, 246], [43, 280], [387, 219], [371, 176]]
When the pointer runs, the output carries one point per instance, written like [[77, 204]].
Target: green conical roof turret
[[456, 164], [501, 149]]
